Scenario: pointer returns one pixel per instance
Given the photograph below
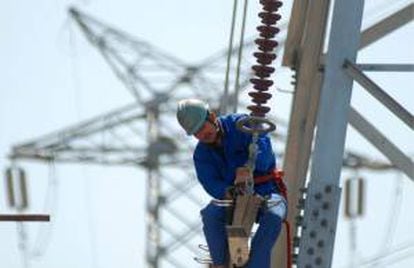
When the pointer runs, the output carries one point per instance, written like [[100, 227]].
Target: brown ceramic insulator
[[269, 18], [263, 71], [267, 31], [270, 8], [260, 97], [259, 111], [261, 84], [268, 2], [266, 45], [264, 58], [271, 5]]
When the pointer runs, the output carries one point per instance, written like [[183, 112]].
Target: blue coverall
[[216, 170]]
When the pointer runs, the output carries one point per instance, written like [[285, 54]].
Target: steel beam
[[24, 217], [386, 26], [298, 17], [392, 152], [377, 92], [332, 123], [386, 67], [308, 43], [153, 195]]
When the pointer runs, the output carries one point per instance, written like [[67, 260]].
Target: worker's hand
[[242, 175], [230, 193], [258, 200]]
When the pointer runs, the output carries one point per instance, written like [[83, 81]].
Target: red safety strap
[[277, 176]]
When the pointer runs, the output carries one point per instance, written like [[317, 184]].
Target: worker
[[219, 158]]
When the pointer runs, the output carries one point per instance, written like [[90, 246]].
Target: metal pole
[[24, 217], [384, 145], [376, 67], [378, 93], [306, 60], [153, 193], [323, 195]]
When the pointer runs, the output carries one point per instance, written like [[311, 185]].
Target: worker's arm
[[210, 178], [265, 156]]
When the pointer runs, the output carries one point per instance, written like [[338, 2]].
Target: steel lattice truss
[[157, 81]]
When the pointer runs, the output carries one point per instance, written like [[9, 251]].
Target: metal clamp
[[259, 125]]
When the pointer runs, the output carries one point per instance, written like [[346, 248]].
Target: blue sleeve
[[265, 157], [209, 177]]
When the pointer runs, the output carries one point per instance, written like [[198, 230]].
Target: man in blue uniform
[[220, 158]]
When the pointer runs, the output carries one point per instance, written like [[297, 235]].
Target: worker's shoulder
[[200, 150], [232, 116], [229, 120], [201, 153]]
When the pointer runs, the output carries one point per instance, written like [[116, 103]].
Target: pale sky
[[52, 77]]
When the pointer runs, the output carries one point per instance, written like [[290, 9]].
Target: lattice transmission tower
[[157, 81], [322, 110]]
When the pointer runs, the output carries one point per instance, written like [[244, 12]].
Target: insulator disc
[[267, 31], [269, 18], [260, 97], [259, 111], [271, 5], [261, 84], [266, 45], [271, 2], [263, 71], [264, 58]]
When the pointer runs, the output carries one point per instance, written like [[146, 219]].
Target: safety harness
[[277, 177]]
